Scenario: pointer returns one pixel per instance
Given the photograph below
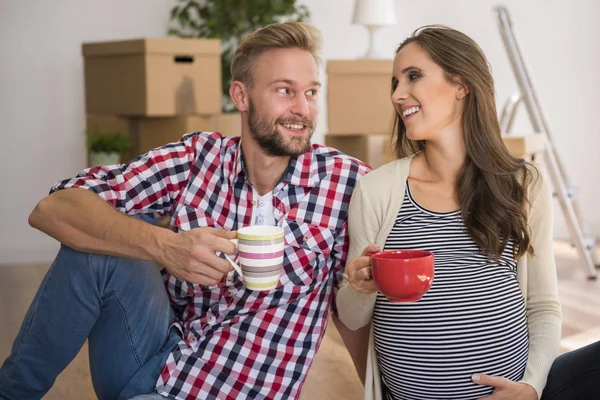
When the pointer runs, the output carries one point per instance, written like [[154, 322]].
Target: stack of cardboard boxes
[[155, 90], [359, 110]]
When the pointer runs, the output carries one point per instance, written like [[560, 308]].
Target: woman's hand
[[505, 388], [359, 271]]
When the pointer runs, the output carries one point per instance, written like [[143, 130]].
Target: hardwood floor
[[17, 289], [332, 376]]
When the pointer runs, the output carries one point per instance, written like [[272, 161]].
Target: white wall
[[42, 117], [42, 103]]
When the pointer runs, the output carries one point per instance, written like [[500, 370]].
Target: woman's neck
[[444, 159]]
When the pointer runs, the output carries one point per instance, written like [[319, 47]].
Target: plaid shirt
[[239, 343]]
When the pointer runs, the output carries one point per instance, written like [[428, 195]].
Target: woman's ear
[[239, 95], [461, 89]]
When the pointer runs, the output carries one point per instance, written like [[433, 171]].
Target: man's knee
[[105, 267]]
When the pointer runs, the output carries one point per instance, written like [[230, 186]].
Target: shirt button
[[260, 221], [261, 203], [191, 338], [210, 319]]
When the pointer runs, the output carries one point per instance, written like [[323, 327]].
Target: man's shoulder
[[333, 160], [208, 147], [214, 139]]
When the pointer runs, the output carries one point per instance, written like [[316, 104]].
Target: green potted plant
[[105, 147], [230, 21]]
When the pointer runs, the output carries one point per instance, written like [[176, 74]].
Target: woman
[[491, 320]]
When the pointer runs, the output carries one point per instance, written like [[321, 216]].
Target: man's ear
[[239, 95]]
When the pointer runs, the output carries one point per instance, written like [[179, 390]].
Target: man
[[207, 336]]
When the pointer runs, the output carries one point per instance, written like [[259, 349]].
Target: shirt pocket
[[306, 252], [188, 218]]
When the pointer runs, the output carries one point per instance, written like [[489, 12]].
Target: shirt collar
[[238, 164], [301, 171]]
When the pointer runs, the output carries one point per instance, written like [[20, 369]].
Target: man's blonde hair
[[284, 35]]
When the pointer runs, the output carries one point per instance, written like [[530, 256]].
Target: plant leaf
[[230, 21]]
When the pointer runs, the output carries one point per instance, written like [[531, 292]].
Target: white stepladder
[[565, 193]]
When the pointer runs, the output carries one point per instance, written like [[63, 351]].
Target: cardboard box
[[525, 145], [372, 148], [229, 124], [377, 149], [149, 133], [156, 132], [153, 77], [358, 96]]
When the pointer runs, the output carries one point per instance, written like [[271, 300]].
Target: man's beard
[[273, 142]]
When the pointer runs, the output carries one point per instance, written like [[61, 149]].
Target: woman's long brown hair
[[491, 185]]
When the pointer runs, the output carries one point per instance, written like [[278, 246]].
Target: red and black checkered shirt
[[238, 343]]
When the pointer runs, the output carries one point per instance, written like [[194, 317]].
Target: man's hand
[[505, 388], [360, 273], [191, 255]]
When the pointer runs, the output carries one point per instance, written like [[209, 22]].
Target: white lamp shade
[[374, 12]]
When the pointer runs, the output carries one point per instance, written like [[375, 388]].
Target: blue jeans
[[119, 304]]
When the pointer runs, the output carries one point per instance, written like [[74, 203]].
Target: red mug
[[403, 275]]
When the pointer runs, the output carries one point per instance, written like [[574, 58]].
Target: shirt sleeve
[[341, 246], [150, 184], [339, 254]]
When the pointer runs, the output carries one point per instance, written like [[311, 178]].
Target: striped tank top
[[472, 320]]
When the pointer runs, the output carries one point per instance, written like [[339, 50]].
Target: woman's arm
[[543, 307], [354, 308]]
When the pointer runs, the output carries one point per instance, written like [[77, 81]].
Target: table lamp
[[374, 14]]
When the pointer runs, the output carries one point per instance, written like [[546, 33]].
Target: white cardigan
[[374, 207]]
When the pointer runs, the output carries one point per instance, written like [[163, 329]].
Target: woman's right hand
[[360, 273]]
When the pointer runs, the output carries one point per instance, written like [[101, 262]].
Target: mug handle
[[370, 254], [234, 264]]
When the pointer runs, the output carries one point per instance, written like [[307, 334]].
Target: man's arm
[[357, 344], [82, 220], [356, 341], [96, 219]]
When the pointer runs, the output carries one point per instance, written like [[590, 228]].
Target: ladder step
[[590, 241], [572, 193]]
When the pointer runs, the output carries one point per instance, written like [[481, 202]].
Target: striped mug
[[260, 254]]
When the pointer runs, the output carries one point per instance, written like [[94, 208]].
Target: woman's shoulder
[[386, 175], [536, 183]]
